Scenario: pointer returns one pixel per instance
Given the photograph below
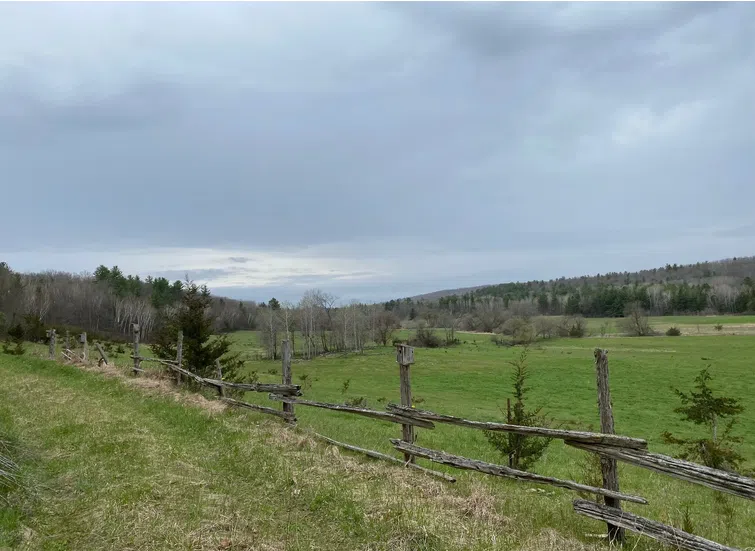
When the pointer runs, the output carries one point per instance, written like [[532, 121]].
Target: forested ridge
[[724, 287]]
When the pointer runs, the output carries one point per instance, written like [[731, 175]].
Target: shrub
[[520, 329], [545, 327], [34, 329], [673, 331], [635, 322], [424, 337], [398, 341], [572, 326], [718, 327]]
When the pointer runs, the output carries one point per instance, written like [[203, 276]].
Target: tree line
[[107, 302], [724, 287]]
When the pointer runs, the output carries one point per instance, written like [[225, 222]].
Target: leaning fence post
[[219, 370], [286, 369], [52, 343], [405, 358], [85, 353], [137, 361], [608, 466], [179, 354]]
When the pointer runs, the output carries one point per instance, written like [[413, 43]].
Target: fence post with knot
[[608, 466], [405, 358]]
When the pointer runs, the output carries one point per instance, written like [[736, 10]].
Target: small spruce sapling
[[522, 451], [701, 407]]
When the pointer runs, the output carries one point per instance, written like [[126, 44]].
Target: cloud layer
[[375, 149]]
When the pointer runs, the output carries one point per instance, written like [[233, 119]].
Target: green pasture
[[472, 380]]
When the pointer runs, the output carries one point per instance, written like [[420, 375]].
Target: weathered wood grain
[[103, 356], [261, 409], [274, 388], [677, 539], [607, 465], [219, 371], [137, 361], [405, 357], [573, 435], [383, 416], [507, 472], [288, 407], [378, 455], [731, 483]]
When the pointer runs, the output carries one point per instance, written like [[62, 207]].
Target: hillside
[[735, 270]]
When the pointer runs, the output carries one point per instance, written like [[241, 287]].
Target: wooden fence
[[609, 446]]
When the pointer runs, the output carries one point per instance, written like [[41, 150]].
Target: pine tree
[[200, 346], [522, 451], [703, 408]]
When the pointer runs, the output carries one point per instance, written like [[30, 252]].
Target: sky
[[375, 150]]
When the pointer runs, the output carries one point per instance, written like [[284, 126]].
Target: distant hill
[[731, 270]]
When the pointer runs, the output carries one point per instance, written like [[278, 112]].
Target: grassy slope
[[108, 466], [472, 380]]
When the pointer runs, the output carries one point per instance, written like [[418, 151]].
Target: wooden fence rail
[[506, 472], [382, 415], [677, 539], [722, 481], [378, 455], [572, 435]]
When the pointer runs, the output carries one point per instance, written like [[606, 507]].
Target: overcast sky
[[375, 150]]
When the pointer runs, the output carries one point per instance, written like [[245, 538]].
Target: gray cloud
[[407, 146]]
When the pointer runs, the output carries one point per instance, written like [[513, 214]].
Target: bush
[[673, 331], [34, 329], [545, 328], [718, 327], [520, 329], [425, 338], [635, 322], [572, 326]]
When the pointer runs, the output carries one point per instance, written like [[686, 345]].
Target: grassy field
[[470, 380], [689, 325], [111, 463]]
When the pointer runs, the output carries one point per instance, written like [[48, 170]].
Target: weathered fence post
[[508, 420], [286, 354], [405, 358], [179, 354], [68, 342], [51, 333], [221, 389], [608, 466], [103, 356], [85, 352], [137, 361]]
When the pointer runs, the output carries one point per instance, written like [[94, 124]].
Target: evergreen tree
[[522, 451], [703, 408], [200, 347]]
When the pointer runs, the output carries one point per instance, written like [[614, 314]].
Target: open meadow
[[470, 380]]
